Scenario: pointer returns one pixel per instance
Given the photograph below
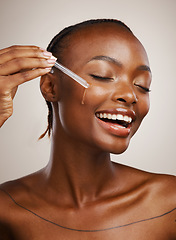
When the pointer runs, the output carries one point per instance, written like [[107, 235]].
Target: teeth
[[109, 116], [130, 119], [115, 117], [120, 117], [125, 118]]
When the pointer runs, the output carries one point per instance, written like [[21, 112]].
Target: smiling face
[[116, 66]]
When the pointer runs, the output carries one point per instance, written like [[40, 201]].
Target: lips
[[116, 121]]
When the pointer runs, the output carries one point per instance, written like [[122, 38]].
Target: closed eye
[[144, 88], [101, 78]]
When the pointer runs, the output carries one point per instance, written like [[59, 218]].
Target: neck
[[77, 171]]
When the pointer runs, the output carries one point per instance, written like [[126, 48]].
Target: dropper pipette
[[71, 74]]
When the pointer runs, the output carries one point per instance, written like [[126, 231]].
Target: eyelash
[[107, 79], [100, 78], [144, 88]]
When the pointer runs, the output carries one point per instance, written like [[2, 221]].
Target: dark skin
[[81, 188]]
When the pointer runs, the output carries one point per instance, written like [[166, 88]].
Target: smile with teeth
[[120, 119]]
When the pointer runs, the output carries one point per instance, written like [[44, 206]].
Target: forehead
[[106, 39]]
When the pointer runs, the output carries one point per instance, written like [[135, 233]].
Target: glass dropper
[[71, 74]]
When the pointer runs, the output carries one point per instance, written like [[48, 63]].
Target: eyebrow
[[106, 58], [144, 68], [118, 63]]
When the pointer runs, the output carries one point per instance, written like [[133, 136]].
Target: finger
[[14, 53], [19, 64], [17, 47], [19, 78]]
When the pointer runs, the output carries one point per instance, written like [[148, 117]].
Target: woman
[[81, 194]]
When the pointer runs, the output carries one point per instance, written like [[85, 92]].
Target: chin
[[116, 147], [119, 149]]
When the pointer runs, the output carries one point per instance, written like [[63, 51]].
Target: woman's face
[[115, 64]]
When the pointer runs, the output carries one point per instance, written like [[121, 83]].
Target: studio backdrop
[[153, 148]]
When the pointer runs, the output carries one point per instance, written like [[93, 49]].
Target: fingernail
[[42, 49], [48, 69], [47, 54], [51, 61], [52, 57]]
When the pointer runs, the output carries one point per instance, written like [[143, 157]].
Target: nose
[[124, 93]]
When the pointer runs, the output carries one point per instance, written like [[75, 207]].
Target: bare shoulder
[[163, 189], [162, 201], [8, 209], [13, 195], [158, 189], [159, 184], [159, 199], [6, 202], [10, 191]]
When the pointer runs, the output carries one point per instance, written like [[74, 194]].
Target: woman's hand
[[19, 64]]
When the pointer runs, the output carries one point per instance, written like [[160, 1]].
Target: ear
[[49, 87]]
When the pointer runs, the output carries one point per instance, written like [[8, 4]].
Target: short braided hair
[[57, 45]]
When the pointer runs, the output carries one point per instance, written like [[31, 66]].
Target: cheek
[[74, 113], [143, 106], [95, 96], [77, 109]]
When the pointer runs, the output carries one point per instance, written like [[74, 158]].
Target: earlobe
[[49, 87]]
